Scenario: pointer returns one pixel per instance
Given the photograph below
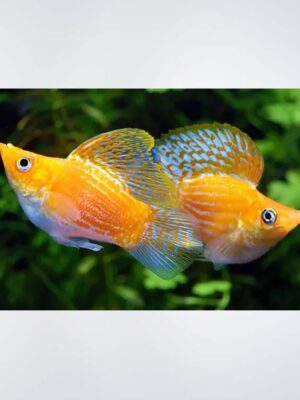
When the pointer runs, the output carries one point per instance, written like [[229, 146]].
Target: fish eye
[[24, 164], [269, 216]]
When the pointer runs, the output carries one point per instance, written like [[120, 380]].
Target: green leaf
[[152, 281], [86, 264], [286, 110], [211, 287], [95, 113], [287, 192], [128, 293]]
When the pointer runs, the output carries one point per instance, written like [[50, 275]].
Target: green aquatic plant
[[37, 273]]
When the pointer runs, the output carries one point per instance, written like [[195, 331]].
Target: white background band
[[146, 355]]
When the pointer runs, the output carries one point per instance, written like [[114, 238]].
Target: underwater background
[[38, 273]]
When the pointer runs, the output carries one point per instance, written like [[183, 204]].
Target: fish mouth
[[3, 147], [2, 151], [290, 219]]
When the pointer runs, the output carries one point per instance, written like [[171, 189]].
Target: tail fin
[[169, 245]]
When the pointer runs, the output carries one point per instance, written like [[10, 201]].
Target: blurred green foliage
[[37, 273]]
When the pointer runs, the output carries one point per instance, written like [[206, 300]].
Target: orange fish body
[[97, 205], [217, 168], [102, 193]]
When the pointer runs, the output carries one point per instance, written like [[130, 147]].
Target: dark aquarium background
[[38, 273]]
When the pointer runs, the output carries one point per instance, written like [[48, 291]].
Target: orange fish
[[107, 190], [217, 169]]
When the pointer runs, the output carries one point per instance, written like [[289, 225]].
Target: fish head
[[236, 222], [253, 233], [27, 172], [267, 222]]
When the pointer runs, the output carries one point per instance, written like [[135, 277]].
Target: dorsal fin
[[191, 151], [127, 153]]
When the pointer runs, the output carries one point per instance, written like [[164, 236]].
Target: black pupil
[[268, 216], [24, 162]]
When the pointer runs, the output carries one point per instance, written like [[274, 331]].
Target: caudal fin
[[169, 245]]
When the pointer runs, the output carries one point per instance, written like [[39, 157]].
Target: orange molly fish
[[107, 190], [217, 169]]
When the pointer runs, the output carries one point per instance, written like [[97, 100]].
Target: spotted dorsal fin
[[188, 152], [127, 153]]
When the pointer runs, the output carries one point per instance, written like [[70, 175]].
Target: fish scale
[[217, 168], [110, 190]]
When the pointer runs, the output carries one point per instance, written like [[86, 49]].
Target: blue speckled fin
[[189, 152], [127, 154], [169, 245]]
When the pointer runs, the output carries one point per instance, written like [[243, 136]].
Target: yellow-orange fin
[[127, 153], [189, 152], [169, 245]]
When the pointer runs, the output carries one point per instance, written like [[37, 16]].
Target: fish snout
[[4, 147], [290, 219], [296, 217], [7, 153]]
